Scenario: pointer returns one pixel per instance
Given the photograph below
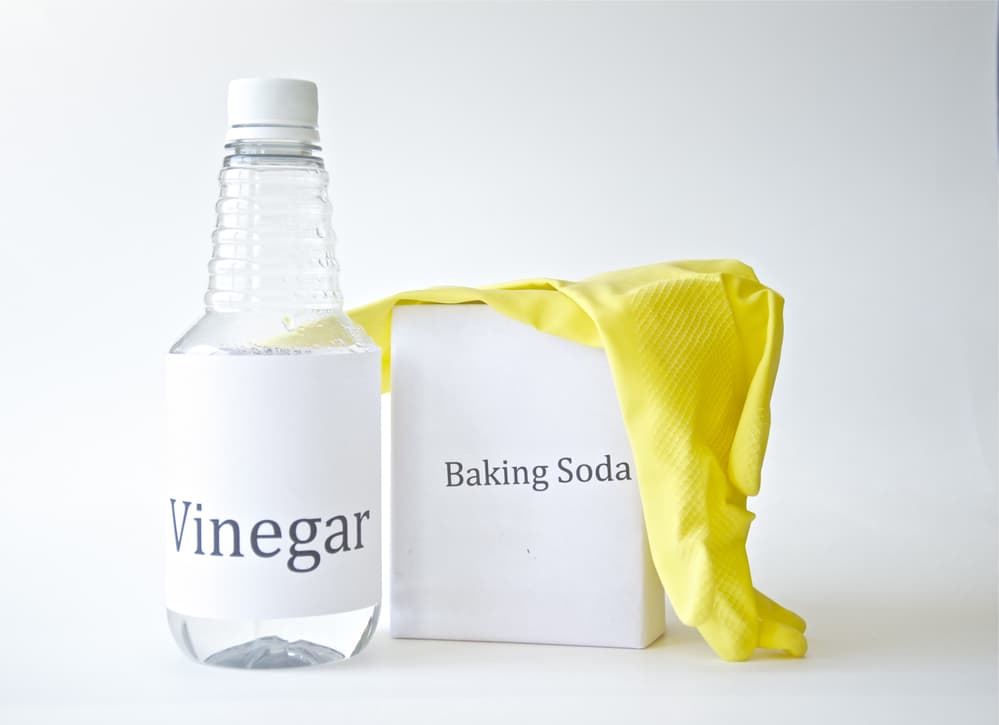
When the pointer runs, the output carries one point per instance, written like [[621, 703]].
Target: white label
[[273, 484]]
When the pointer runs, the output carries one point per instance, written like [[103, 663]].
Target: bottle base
[[274, 643], [274, 652]]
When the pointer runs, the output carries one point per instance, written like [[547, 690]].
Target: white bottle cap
[[273, 109]]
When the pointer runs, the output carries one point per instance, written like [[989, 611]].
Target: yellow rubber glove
[[693, 349]]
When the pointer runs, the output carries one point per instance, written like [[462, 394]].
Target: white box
[[557, 561]]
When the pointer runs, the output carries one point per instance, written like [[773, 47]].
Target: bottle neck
[[273, 245]]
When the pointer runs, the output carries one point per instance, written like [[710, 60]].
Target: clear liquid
[[274, 643]]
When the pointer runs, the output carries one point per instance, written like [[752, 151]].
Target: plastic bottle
[[272, 500]]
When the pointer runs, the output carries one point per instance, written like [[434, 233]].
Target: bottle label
[[273, 484]]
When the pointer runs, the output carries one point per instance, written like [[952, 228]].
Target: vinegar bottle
[[272, 494]]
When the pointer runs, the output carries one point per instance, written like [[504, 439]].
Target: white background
[[846, 151]]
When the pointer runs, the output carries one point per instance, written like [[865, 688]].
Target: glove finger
[[769, 609], [774, 635]]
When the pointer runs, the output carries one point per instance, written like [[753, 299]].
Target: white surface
[[546, 558], [847, 151]]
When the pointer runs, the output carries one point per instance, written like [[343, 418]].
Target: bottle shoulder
[[274, 333]]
